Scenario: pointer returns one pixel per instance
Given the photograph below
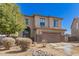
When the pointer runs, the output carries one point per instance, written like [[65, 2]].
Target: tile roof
[[43, 16]]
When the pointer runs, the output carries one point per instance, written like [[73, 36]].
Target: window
[[27, 21], [55, 24], [42, 22]]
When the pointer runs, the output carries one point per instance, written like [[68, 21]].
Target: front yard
[[53, 49]]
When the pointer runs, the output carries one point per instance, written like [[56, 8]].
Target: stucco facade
[[75, 27], [45, 27]]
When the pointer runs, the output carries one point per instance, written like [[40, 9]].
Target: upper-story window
[[55, 23], [27, 21], [42, 22]]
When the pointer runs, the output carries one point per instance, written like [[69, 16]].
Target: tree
[[11, 21]]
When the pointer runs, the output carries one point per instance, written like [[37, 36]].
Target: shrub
[[24, 43], [44, 42], [1, 37], [8, 42], [18, 40]]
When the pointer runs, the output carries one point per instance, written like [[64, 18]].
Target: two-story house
[[75, 27], [44, 27]]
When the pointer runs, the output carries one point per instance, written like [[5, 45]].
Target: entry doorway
[[27, 32]]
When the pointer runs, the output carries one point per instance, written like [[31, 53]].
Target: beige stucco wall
[[37, 21], [34, 21], [59, 23], [30, 21], [31, 25], [51, 22], [48, 22]]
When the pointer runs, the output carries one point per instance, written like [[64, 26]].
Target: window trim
[[55, 23], [42, 20], [27, 21]]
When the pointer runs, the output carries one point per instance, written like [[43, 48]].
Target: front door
[[26, 32]]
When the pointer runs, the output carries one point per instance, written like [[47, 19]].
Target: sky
[[67, 11]]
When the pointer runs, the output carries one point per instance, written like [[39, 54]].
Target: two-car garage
[[50, 37]]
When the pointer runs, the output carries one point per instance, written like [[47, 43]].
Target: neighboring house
[[44, 27], [75, 27]]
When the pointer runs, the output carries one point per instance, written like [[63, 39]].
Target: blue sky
[[67, 11]]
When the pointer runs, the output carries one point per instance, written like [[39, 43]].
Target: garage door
[[52, 37]]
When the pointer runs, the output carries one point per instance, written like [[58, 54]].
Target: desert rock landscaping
[[51, 49]]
